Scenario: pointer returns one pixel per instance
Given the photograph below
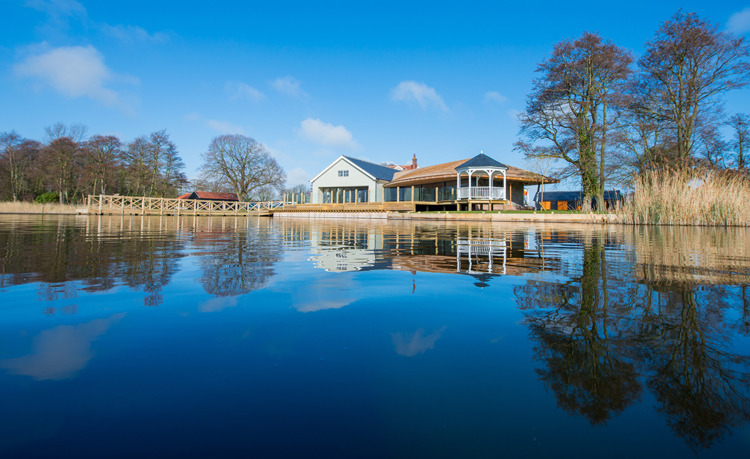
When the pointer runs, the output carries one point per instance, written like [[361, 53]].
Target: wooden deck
[[132, 205]]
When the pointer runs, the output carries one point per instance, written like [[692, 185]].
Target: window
[[343, 173]]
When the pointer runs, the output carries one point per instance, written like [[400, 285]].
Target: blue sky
[[311, 80]]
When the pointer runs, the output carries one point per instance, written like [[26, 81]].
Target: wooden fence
[[133, 205]]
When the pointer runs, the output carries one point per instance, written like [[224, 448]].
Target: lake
[[286, 337]]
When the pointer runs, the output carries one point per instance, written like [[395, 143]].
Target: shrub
[[45, 198]]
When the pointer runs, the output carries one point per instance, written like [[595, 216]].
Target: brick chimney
[[414, 162]]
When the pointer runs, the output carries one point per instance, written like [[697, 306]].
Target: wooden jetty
[[135, 205]]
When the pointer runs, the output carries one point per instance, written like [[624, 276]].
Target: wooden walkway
[[132, 205]]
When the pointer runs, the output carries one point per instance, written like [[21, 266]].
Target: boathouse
[[210, 196], [573, 200]]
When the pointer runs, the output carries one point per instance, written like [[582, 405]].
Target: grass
[[34, 208], [690, 197]]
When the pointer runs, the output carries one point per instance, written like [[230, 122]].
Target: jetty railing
[[139, 205]]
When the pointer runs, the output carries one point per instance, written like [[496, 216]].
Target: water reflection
[[60, 352], [613, 328], [614, 316]]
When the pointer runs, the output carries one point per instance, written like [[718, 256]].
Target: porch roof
[[446, 172]]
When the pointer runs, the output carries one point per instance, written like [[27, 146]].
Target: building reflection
[[481, 251]]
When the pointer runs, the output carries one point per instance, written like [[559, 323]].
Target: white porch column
[[490, 173], [505, 188], [470, 183], [458, 185]]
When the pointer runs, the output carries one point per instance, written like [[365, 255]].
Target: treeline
[[598, 115], [67, 166]]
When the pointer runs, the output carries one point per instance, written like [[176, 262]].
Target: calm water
[[298, 338]]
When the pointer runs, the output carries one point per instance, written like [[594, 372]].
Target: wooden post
[[195, 207], [412, 193], [100, 204], [122, 205], [161, 207], [398, 194], [437, 189]]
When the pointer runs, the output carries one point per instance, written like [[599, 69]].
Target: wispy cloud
[[411, 344], [132, 33], [61, 12], [739, 22], [75, 71], [60, 352], [424, 95], [327, 134], [289, 86], [494, 96], [225, 127], [297, 176], [238, 91]]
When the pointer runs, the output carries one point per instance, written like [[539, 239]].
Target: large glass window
[[405, 194], [389, 194]]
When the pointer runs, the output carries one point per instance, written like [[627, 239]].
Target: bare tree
[[687, 67], [17, 157], [61, 157], [242, 164], [573, 107], [541, 166], [76, 132], [740, 125], [102, 156]]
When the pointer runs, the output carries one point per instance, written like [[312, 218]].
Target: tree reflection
[[237, 262], [603, 335], [584, 363]]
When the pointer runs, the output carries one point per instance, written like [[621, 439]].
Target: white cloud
[[494, 96], [225, 127], [218, 303], [739, 22], [132, 34], [59, 10], [411, 344], [60, 352], [289, 86], [297, 176], [425, 96], [239, 90], [327, 134], [192, 116], [75, 71]]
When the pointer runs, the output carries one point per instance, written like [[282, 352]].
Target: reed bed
[[689, 197], [35, 208]]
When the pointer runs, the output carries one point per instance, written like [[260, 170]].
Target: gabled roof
[[482, 160], [609, 195], [375, 170], [372, 170], [217, 196], [210, 195]]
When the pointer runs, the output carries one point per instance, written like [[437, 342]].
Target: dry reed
[[34, 208], [689, 197]]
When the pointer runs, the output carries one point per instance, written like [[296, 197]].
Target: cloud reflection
[[61, 351], [411, 344]]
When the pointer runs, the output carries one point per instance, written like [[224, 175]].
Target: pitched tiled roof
[[447, 172], [216, 196], [209, 195], [376, 170], [482, 160]]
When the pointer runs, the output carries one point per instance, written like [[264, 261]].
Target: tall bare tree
[[17, 157], [242, 164], [61, 157], [102, 155], [740, 125], [687, 67], [573, 107]]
